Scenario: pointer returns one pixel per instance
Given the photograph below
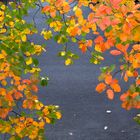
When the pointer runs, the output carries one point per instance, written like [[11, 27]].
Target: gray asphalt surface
[[83, 109]]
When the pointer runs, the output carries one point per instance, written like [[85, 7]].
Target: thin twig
[[17, 114]]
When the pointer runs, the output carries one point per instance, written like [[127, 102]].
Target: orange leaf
[[125, 77], [34, 88], [110, 94], [116, 87], [138, 82], [58, 3], [114, 81], [9, 97], [99, 39], [122, 48], [18, 95], [53, 13], [3, 113], [27, 81], [136, 34], [135, 94], [91, 17], [136, 47], [135, 73], [100, 87], [21, 87], [108, 79], [89, 43], [83, 47], [115, 52], [75, 31], [2, 91], [124, 96], [27, 104]]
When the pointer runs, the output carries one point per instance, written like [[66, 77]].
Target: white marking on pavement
[[105, 127], [108, 111], [70, 133]]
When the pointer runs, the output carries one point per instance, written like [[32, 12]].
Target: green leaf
[[137, 118], [44, 81], [112, 68], [118, 40], [39, 113], [108, 29], [15, 138], [75, 56], [56, 37], [138, 89], [35, 61], [73, 39], [104, 69]]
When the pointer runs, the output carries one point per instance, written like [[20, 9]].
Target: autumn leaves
[[18, 95], [108, 84], [115, 25]]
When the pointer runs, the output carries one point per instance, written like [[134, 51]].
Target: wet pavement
[[87, 115]]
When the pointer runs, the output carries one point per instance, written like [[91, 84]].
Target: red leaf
[[115, 52], [46, 8]]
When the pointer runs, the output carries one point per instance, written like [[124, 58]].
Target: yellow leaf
[[129, 73], [11, 23], [24, 38], [3, 7], [2, 56], [17, 41], [38, 49], [63, 53], [94, 27], [2, 30], [27, 53], [68, 61], [34, 70], [2, 16], [27, 31], [18, 130], [98, 48], [12, 138], [4, 82], [29, 61], [78, 12], [58, 115], [47, 34], [95, 61]]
